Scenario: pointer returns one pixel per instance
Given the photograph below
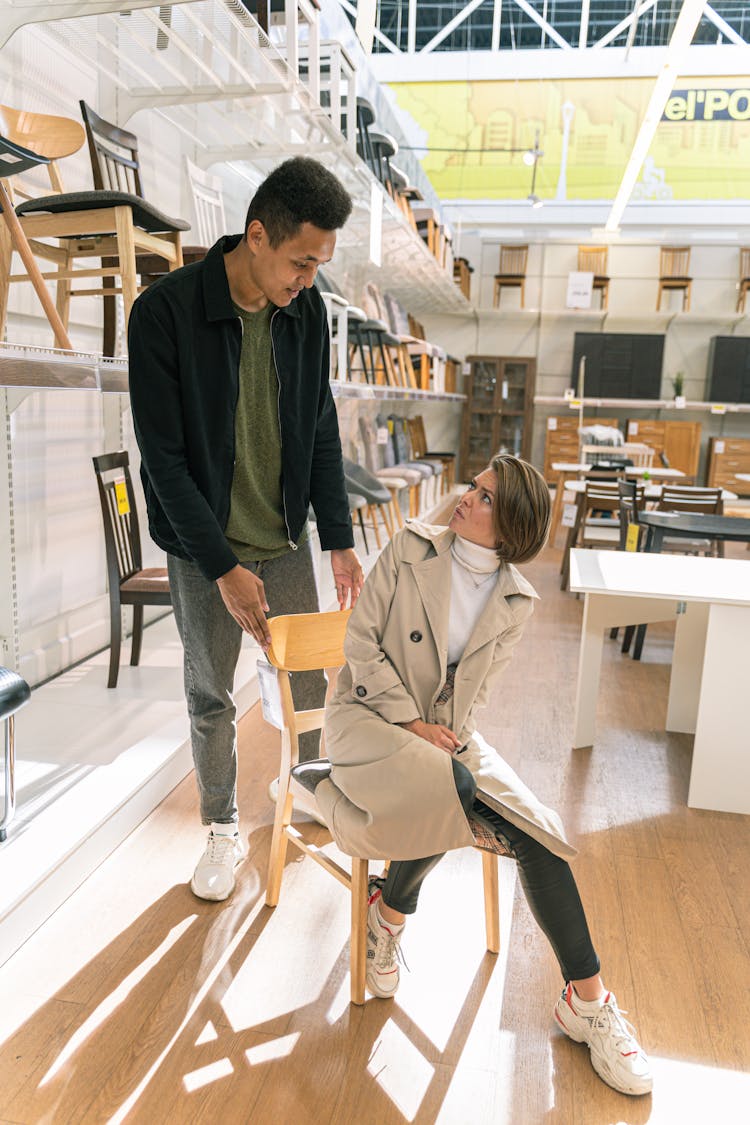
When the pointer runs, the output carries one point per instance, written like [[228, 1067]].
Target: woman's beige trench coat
[[391, 794]]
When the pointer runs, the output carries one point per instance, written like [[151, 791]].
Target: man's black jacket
[[184, 342]]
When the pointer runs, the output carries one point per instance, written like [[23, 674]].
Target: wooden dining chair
[[674, 264], [108, 224], [421, 451], [597, 522], [129, 583], [593, 259], [512, 272], [744, 280], [304, 642]]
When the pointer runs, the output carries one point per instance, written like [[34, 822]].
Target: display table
[[710, 599]]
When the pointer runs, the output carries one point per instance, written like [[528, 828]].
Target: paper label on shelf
[[631, 540], [552, 423], [568, 394], [632, 429], [121, 496], [569, 515], [382, 435], [718, 408], [580, 288], [718, 447], [574, 403], [466, 368]]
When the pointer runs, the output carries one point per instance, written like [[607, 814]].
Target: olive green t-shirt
[[256, 528]]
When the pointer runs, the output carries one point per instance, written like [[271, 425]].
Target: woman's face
[[473, 517]]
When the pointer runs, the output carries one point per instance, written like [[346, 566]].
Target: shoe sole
[[210, 898], [380, 995]]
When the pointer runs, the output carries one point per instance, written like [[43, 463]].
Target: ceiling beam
[[451, 26], [620, 27], [724, 27], [682, 36], [544, 24]]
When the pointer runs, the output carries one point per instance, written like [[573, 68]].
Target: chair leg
[[115, 640], [276, 860], [20, 243], [135, 646], [362, 529], [62, 302], [109, 317], [491, 901], [126, 258], [358, 942], [6, 254], [385, 511], [372, 515], [640, 637], [399, 519]]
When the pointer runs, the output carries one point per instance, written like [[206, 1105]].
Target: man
[[238, 435]]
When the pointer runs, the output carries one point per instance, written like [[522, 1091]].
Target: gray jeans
[[211, 640]]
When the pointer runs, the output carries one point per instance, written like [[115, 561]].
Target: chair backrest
[[631, 502], [674, 261], [745, 263], [513, 260], [121, 533], [601, 496], [401, 443], [304, 642], [114, 154], [593, 259], [48, 136], [208, 204], [416, 437], [683, 498]]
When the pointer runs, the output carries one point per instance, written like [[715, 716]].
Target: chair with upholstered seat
[[129, 583], [306, 642], [111, 225], [378, 497]]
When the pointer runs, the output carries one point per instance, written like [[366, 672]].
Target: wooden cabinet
[[727, 456], [498, 411], [680, 442], [563, 443]]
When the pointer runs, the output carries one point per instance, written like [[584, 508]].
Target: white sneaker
[[383, 949], [213, 878], [304, 802], [616, 1055]]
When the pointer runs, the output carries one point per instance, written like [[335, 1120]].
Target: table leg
[[557, 504], [720, 775], [687, 667]]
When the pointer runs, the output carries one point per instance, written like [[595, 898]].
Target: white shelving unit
[[209, 69], [717, 408]]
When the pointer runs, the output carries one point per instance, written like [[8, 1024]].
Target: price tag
[[631, 539], [569, 515], [632, 429], [121, 496], [382, 435], [270, 698], [574, 403], [552, 423], [718, 446], [718, 408]]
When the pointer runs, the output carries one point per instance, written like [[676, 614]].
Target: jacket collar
[[216, 296], [510, 580]]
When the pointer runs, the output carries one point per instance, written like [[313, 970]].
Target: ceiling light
[[534, 200]]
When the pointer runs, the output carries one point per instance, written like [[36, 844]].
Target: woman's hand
[[436, 733]]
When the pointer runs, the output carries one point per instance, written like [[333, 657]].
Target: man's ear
[[255, 234]]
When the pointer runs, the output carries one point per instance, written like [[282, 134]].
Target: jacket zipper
[[290, 541]]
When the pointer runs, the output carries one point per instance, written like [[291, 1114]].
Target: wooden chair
[[593, 259], [674, 263], [512, 272], [129, 583], [111, 225], [597, 522], [641, 455], [115, 166], [305, 642], [744, 282], [420, 451]]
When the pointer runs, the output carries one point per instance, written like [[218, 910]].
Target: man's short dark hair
[[299, 191]]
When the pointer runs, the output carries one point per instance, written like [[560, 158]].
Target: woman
[[436, 622]]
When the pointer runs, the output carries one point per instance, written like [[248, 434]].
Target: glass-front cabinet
[[498, 411]]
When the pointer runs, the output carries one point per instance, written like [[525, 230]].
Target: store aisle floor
[[138, 1002]]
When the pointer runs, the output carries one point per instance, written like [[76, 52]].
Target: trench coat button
[[415, 636], [361, 691]]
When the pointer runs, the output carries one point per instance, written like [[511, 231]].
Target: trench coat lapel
[[433, 579]]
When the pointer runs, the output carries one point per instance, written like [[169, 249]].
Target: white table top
[[650, 491], [678, 577], [630, 471]]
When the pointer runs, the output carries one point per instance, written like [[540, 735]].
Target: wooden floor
[[137, 1002]]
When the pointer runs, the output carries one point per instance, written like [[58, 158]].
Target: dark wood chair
[[115, 167], [129, 583]]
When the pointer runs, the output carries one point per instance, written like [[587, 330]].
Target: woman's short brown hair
[[521, 510]]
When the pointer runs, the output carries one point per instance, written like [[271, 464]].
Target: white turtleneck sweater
[[474, 572]]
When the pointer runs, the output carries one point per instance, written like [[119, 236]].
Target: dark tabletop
[[693, 525]]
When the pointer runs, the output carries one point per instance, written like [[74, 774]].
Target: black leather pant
[[546, 879]]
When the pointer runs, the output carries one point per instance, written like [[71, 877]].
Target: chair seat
[[151, 580], [675, 280], [14, 692], [510, 277], [684, 546], [600, 534], [401, 472], [145, 216], [394, 483]]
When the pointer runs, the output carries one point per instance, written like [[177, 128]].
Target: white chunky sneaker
[[383, 948], [304, 802], [213, 878], [616, 1055]]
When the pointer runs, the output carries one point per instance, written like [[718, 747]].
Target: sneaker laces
[[219, 847], [609, 1020], [388, 950]]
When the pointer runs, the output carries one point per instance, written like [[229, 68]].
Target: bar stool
[[14, 693]]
